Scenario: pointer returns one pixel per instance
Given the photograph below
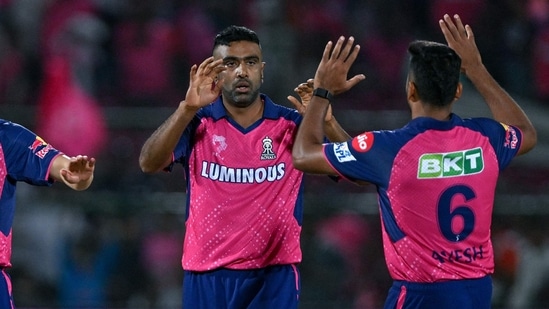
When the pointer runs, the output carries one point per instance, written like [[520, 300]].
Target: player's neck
[[425, 110], [246, 116]]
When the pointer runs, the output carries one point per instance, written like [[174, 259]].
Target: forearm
[[307, 151], [157, 150], [335, 132], [502, 106]]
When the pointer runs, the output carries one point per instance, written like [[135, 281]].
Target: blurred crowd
[[138, 52], [72, 59]]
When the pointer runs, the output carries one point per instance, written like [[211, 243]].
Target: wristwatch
[[323, 93]]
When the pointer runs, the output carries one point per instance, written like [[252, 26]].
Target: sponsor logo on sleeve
[[511, 139], [37, 143], [40, 148], [342, 152], [363, 142]]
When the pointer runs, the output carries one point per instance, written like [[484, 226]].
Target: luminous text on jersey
[[223, 173], [452, 164]]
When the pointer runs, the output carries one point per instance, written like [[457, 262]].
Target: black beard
[[240, 99]]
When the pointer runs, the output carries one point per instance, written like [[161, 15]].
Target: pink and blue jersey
[[436, 183], [23, 157], [244, 197]]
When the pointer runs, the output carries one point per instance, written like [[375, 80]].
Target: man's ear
[[459, 91], [262, 70], [411, 92]]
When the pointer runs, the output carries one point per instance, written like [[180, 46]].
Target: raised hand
[[204, 86], [305, 93], [334, 66], [77, 172], [462, 40]]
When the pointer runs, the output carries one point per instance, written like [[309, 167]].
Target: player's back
[[436, 182], [441, 193]]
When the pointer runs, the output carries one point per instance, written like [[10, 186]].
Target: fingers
[[337, 48], [295, 102], [91, 163], [343, 50], [355, 80], [208, 67], [327, 51], [354, 54], [81, 162], [453, 29], [348, 50], [447, 25], [469, 32], [192, 72], [337, 59], [304, 88]]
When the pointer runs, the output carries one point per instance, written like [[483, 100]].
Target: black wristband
[[323, 93]]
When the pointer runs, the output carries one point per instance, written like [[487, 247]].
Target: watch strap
[[323, 93]]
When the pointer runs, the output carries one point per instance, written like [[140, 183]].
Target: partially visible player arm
[[331, 74], [332, 128], [502, 106], [157, 150], [75, 172]]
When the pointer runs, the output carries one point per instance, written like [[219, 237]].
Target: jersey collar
[[270, 111], [431, 123]]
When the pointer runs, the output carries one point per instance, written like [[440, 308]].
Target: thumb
[[352, 82]]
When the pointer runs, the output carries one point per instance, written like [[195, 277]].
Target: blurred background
[[98, 76]]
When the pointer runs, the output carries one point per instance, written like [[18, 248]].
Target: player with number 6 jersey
[[435, 198], [435, 177]]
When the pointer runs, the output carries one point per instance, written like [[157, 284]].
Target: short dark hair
[[435, 70], [235, 33]]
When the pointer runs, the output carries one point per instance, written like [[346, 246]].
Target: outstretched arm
[[501, 104], [331, 75], [75, 172], [203, 89], [332, 128]]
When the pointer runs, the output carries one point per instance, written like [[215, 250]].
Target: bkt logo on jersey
[[437, 165]]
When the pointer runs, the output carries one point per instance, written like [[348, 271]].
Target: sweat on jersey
[[23, 157], [244, 197], [436, 183]]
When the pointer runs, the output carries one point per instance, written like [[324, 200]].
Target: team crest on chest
[[268, 153], [219, 142]]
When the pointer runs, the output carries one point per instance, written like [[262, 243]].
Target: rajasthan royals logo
[[268, 153]]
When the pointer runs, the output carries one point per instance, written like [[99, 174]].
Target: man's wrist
[[323, 93]]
